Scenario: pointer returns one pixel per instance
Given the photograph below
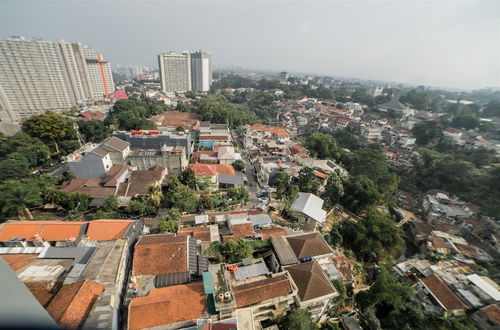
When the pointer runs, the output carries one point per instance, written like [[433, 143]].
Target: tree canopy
[[372, 237], [50, 127]]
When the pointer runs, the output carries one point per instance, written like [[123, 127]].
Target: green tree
[[16, 198], [427, 131], [188, 178], [373, 237], [394, 303], [213, 252], [368, 320], [306, 180], [239, 165], [300, 319], [140, 207], [181, 197], [100, 214], [342, 290], [93, 130], [334, 238], [465, 120], [360, 192], [492, 109], [236, 250], [167, 225], [281, 181], [323, 146], [334, 189], [372, 163], [154, 196], [111, 203], [13, 169], [238, 194], [68, 201], [50, 127]]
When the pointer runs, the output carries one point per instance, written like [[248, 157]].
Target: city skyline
[[450, 44]]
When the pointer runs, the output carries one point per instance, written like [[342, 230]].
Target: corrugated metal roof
[[311, 205], [261, 219], [249, 271], [284, 251], [163, 280]]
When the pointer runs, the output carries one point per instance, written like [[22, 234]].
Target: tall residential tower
[[185, 72], [37, 76]]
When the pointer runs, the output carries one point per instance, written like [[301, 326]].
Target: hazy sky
[[447, 43]]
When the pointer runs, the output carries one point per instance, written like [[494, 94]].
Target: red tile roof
[[212, 169], [108, 229], [42, 291], [241, 230], [167, 305], [321, 175], [270, 232], [198, 233], [119, 95], [278, 131], [18, 261], [160, 254], [203, 169], [259, 291], [73, 303], [442, 293], [47, 230], [91, 115], [493, 311], [88, 186]]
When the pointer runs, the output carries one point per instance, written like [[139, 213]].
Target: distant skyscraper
[[37, 76], [283, 76], [175, 72], [201, 71], [185, 72]]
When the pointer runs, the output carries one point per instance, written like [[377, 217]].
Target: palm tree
[[16, 199], [155, 196]]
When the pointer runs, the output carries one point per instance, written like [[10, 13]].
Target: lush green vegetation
[[298, 318], [232, 251], [93, 130], [17, 197], [371, 238], [239, 165], [133, 113]]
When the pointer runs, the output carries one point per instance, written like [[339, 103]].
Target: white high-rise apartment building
[[185, 72], [36, 76], [175, 72]]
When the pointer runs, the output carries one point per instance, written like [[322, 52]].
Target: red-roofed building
[[161, 254], [109, 229], [178, 305], [279, 132], [72, 303], [442, 294], [119, 95], [241, 230], [270, 232], [90, 115], [40, 233]]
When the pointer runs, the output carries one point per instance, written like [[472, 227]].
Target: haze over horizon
[[437, 43]]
